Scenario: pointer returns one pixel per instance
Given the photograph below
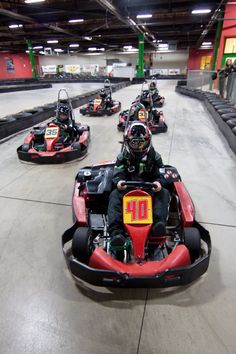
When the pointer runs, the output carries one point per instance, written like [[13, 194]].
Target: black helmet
[[153, 88], [103, 93], [153, 85], [138, 139], [63, 112]]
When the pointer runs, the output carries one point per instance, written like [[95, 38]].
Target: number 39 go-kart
[[53, 143], [176, 258]]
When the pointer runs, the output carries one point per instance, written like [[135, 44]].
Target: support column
[[140, 55], [31, 55], [217, 43]]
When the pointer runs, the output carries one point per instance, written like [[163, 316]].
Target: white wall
[[160, 60]]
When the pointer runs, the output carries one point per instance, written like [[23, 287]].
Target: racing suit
[[146, 170], [69, 130]]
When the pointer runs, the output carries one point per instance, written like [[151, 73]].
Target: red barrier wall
[[16, 66], [195, 56], [228, 30]]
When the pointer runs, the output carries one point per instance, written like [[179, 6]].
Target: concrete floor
[[42, 310], [14, 102]]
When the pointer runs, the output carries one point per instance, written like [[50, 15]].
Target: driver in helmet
[[145, 99], [106, 99], [137, 162], [64, 120], [154, 92]]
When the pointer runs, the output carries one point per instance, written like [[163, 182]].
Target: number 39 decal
[[137, 210]]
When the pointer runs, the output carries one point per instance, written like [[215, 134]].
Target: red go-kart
[[155, 120], [176, 258], [102, 105], [56, 142], [46, 144]]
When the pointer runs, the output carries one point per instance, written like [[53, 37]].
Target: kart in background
[[51, 144], [100, 106]]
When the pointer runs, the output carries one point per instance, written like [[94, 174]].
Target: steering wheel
[[139, 185]]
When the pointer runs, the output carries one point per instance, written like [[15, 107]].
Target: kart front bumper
[[109, 278], [54, 157]]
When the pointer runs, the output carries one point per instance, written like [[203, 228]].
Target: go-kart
[[154, 119], [158, 100], [52, 143], [102, 106], [176, 258]]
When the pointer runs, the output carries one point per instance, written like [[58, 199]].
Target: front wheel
[[76, 146], [25, 147], [192, 240], [81, 244]]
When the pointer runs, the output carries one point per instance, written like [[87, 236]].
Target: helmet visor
[[137, 144]]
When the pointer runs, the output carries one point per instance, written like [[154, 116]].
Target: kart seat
[[101, 184]]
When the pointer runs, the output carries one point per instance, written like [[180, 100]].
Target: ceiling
[[107, 24]]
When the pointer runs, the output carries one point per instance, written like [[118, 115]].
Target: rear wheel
[[81, 244], [192, 241]]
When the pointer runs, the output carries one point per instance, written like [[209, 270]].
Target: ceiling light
[[207, 43], [92, 49], [41, 52], [32, 1], [38, 47], [74, 45], [128, 47], [163, 45], [154, 41], [87, 38], [15, 26], [201, 11], [101, 49], [58, 50], [53, 41], [144, 16], [76, 20]]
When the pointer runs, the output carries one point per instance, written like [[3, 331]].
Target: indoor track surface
[[14, 102], [44, 311]]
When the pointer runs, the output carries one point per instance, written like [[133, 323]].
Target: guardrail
[[14, 123]]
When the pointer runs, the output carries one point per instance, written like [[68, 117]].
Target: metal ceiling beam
[[107, 5], [16, 16], [28, 19]]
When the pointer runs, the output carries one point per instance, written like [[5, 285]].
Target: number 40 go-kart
[[176, 258]]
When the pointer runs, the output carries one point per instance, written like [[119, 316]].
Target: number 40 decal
[[138, 209]]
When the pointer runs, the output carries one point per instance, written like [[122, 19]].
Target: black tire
[[81, 249], [192, 240], [76, 146], [222, 106], [216, 102], [228, 116], [231, 123], [227, 110], [25, 147]]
